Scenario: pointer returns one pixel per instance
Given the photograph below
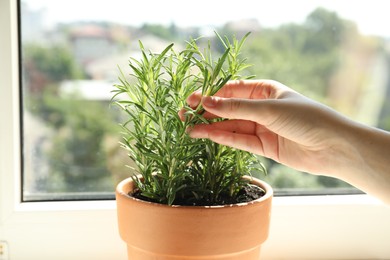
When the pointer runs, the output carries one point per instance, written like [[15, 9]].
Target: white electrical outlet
[[4, 251]]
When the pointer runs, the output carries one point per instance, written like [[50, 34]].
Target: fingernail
[[189, 129], [194, 132], [209, 101]]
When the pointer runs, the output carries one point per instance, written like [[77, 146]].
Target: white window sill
[[301, 227]]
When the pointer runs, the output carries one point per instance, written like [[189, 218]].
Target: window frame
[[302, 227]]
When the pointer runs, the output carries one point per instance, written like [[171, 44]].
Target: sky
[[371, 16]]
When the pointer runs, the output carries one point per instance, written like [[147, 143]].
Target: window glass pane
[[71, 50]]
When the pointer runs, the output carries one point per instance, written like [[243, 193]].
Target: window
[[69, 64], [85, 228]]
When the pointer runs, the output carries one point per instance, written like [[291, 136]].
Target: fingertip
[[191, 133], [209, 101], [196, 131], [194, 99], [181, 114]]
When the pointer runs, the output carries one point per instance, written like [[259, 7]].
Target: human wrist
[[364, 163]]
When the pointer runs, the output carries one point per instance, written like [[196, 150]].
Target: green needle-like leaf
[[174, 167]]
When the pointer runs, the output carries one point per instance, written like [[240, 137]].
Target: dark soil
[[248, 193]]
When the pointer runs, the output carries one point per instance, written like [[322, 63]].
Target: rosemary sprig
[[173, 166]]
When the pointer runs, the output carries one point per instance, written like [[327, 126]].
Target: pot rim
[[264, 185]]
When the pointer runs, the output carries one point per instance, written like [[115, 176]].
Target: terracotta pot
[[161, 232]]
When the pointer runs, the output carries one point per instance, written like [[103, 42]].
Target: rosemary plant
[[173, 168]]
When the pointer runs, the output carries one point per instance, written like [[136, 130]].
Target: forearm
[[366, 162]]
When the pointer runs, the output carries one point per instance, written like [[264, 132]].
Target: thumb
[[237, 108]]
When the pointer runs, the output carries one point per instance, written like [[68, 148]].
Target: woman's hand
[[268, 118]]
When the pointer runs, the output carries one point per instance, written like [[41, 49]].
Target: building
[[91, 42]]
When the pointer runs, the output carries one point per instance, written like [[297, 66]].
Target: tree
[[75, 152], [47, 65], [77, 156], [303, 55], [325, 30], [167, 33]]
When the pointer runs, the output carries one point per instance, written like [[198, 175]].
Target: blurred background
[[71, 52]]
